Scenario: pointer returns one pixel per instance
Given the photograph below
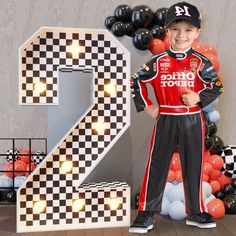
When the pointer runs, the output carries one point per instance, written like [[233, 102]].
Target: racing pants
[[187, 131]]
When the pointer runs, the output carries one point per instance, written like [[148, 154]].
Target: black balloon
[[142, 17], [230, 204], [228, 189], [212, 128], [218, 145], [109, 21], [141, 39], [219, 194], [129, 29], [160, 16], [206, 129], [209, 142], [123, 13], [158, 32], [11, 196], [233, 182], [118, 29]]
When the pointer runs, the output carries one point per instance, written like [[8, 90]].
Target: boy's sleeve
[[139, 83], [213, 86]]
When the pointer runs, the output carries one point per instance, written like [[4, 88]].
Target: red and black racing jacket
[[170, 73]]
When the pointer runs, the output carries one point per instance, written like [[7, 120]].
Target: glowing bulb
[[114, 203], [78, 205], [110, 88], [74, 49], [99, 127], [40, 87], [39, 207], [66, 166]]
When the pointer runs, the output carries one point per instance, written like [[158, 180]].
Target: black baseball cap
[[183, 11]]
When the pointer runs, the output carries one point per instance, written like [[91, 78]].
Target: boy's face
[[181, 35]]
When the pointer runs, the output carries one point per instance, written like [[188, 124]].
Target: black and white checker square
[[229, 157]]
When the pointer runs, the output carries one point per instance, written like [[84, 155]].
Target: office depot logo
[[178, 79]]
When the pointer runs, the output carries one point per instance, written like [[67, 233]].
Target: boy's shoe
[[202, 220], [143, 222]]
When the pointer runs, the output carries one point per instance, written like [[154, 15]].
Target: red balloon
[[25, 156], [156, 46], [197, 47], [223, 180], [206, 155], [220, 77], [216, 161], [205, 177], [18, 166], [175, 162], [207, 168], [29, 168], [178, 176], [214, 60], [166, 42], [215, 185], [215, 174], [216, 208], [209, 49], [171, 176]]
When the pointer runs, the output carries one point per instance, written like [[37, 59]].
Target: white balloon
[[19, 180], [207, 188], [167, 187], [177, 210], [175, 193], [209, 199], [165, 206]]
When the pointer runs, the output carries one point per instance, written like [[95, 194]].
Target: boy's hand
[[152, 111], [190, 98]]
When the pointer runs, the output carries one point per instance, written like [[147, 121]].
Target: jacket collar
[[179, 55]]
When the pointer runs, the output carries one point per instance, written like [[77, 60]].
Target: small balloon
[[156, 46], [212, 128], [215, 62], [228, 189], [158, 32], [233, 182], [171, 176], [177, 210], [209, 142], [165, 206], [123, 13], [215, 185], [160, 16], [230, 204], [129, 29], [207, 168], [223, 180], [142, 38], [216, 208], [216, 161], [118, 29], [142, 17], [209, 49], [109, 21], [215, 174], [214, 116], [167, 42], [219, 194]]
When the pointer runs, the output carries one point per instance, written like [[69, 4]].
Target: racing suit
[[170, 73]]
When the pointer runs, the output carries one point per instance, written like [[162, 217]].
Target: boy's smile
[[181, 35]]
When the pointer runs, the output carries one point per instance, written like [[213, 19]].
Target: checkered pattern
[[229, 157], [49, 49], [38, 157], [83, 146], [12, 155]]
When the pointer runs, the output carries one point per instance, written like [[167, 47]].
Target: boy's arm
[[214, 87], [138, 85]]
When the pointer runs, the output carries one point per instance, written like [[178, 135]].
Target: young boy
[[184, 82]]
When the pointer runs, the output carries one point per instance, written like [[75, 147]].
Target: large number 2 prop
[[54, 196]]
